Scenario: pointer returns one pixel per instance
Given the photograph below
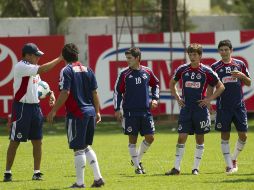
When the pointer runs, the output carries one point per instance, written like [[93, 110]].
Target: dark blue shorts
[[80, 131], [27, 122], [194, 121], [224, 118], [135, 124]]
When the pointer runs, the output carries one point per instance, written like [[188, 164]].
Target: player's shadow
[[246, 180], [51, 188]]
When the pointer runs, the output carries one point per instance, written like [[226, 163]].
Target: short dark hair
[[225, 43], [70, 52], [195, 48], [134, 51]]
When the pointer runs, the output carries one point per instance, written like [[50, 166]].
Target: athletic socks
[[92, 159], [134, 155], [238, 148], [142, 149], [80, 162], [179, 155], [226, 153], [198, 155]]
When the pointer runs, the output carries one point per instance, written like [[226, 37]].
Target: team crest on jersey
[[228, 79], [198, 76], [129, 129], [191, 84], [144, 76], [130, 76], [219, 126], [19, 135]]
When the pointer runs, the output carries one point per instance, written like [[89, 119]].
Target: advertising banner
[[163, 60], [11, 53]]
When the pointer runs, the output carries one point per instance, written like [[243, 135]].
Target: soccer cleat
[[141, 166], [37, 176], [195, 171], [98, 183], [75, 185], [173, 171], [230, 170], [138, 171], [235, 165], [7, 177]]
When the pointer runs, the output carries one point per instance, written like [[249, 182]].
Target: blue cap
[[31, 48]]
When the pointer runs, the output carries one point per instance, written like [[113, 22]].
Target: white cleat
[[230, 170], [235, 165]]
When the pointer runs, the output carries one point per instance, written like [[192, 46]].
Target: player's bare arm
[[237, 74], [154, 104], [206, 101], [97, 106], [174, 92], [209, 92], [119, 115], [52, 99], [50, 65], [63, 96]]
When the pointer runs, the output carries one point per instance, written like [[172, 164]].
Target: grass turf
[[110, 146]]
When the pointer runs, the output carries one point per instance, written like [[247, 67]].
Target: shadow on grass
[[51, 188], [248, 180]]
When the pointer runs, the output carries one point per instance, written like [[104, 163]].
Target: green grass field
[[112, 152]]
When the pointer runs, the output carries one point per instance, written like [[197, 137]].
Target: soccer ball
[[43, 89]]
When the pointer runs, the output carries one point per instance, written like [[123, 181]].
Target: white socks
[[134, 155], [179, 155], [226, 153], [92, 160], [142, 149], [198, 155], [80, 163], [238, 148]]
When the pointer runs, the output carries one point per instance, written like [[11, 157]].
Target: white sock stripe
[[146, 143], [200, 146], [132, 145], [180, 145], [241, 142], [79, 152], [224, 142], [87, 149]]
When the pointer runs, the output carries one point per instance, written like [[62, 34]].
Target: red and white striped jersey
[[25, 83]]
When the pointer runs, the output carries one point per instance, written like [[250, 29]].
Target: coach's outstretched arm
[[50, 65]]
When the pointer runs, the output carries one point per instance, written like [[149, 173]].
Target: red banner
[[156, 54], [11, 53]]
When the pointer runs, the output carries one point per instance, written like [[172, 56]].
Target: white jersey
[[26, 82]]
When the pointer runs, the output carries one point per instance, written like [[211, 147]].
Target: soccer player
[[132, 91], [27, 118], [194, 115], [230, 105], [79, 93]]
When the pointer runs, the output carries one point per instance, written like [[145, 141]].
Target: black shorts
[[27, 122], [80, 131]]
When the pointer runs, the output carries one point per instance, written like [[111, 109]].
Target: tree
[[59, 10], [243, 8]]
